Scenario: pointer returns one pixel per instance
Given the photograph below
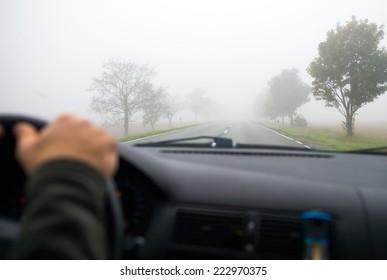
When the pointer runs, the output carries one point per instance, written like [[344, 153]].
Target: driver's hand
[[1, 131], [68, 137]]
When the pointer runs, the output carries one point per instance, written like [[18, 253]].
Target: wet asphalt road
[[245, 132]]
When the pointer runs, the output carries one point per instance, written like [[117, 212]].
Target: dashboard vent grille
[[254, 154], [208, 229], [280, 237]]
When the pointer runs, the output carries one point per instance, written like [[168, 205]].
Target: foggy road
[[246, 132]]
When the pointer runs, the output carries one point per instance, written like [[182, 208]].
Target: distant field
[[331, 137]]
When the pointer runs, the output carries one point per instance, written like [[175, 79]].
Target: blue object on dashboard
[[316, 234], [316, 215]]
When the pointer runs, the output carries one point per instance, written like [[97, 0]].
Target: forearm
[[65, 214]]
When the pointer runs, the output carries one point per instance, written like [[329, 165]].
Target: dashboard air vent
[[280, 237], [209, 229]]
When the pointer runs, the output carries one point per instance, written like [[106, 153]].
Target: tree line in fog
[[349, 72], [124, 91]]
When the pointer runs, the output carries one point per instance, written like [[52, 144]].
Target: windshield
[[309, 74]]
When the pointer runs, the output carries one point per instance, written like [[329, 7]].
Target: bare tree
[[172, 106], [116, 91], [196, 99], [201, 104], [153, 104]]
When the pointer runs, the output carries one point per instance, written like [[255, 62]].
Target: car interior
[[197, 201]]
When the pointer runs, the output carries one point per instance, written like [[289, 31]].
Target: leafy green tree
[[286, 93], [351, 68], [300, 121]]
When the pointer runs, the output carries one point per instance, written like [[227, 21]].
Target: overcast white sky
[[51, 50]]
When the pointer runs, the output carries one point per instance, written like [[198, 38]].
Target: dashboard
[[214, 203], [239, 203]]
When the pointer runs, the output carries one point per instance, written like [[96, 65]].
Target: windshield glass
[[308, 74]]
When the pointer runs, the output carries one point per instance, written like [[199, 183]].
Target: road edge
[[287, 137]]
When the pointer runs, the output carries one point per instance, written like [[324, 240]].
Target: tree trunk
[[126, 123], [170, 122], [153, 126], [283, 119], [291, 119], [349, 125]]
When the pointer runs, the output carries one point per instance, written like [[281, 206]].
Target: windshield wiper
[[216, 142]]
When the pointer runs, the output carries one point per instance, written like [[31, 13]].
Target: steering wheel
[[12, 184]]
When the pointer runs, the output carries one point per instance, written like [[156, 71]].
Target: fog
[[51, 50]]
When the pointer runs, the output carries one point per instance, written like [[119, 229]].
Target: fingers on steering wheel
[[1, 131], [24, 133], [22, 127]]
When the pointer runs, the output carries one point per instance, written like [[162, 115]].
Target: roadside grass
[[152, 133], [328, 139]]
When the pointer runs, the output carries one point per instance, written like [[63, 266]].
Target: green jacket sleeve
[[65, 214]]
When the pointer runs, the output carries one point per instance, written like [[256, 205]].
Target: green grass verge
[[152, 133], [326, 139]]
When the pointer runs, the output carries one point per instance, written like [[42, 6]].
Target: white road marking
[[276, 132], [298, 142]]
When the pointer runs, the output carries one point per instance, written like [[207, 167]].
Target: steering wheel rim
[[9, 164]]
